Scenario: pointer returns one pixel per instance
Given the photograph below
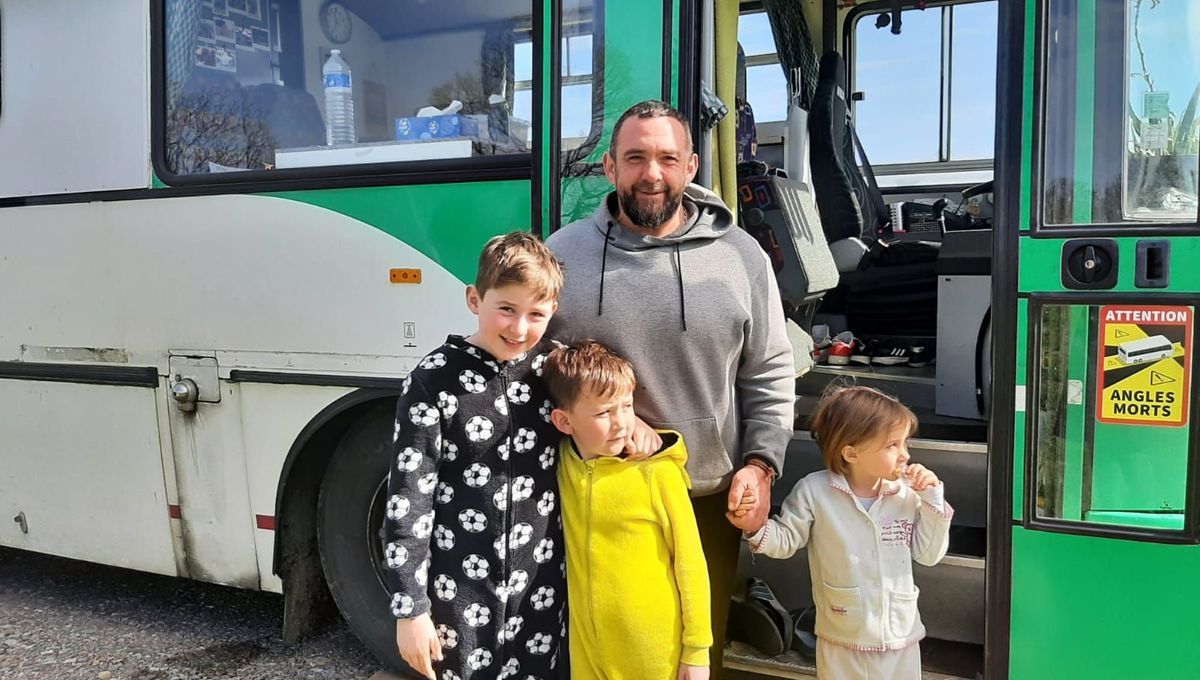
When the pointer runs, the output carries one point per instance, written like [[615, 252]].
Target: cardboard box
[[437, 127]]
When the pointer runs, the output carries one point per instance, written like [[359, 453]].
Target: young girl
[[864, 520]]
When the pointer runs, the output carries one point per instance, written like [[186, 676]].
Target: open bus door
[[1092, 566]]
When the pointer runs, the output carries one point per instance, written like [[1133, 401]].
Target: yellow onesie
[[637, 581]]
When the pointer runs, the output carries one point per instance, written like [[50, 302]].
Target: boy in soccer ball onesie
[[475, 552]]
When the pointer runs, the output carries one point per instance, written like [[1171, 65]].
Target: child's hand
[[920, 477], [687, 672], [749, 498], [418, 644]]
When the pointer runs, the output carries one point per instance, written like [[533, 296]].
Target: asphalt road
[[64, 619]]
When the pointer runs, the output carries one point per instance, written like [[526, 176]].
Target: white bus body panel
[[81, 462], [76, 80], [259, 283]]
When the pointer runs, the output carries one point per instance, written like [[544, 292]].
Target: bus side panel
[[272, 418], [76, 81], [81, 465]]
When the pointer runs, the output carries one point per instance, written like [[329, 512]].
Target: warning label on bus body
[[1144, 365]]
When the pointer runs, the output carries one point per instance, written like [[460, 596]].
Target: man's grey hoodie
[[698, 315]]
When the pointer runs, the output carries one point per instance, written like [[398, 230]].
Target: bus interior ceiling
[[918, 300]]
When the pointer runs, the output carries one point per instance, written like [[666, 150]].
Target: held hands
[[687, 672], [749, 499], [919, 477], [643, 442], [418, 644]]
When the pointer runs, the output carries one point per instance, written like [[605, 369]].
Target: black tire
[[349, 519]]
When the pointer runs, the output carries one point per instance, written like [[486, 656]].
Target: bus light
[[406, 275]]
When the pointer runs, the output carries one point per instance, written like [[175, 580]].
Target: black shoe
[[761, 620], [890, 353], [921, 355]]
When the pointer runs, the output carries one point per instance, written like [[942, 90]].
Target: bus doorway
[[887, 119]]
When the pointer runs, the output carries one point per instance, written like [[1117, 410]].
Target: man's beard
[[649, 218]]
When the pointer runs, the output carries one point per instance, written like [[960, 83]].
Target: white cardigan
[[861, 561]]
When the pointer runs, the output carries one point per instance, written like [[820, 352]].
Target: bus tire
[[349, 520]]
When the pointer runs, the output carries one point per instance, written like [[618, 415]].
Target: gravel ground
[[64, 619]]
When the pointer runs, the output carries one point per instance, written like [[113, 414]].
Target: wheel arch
[[296, 559]]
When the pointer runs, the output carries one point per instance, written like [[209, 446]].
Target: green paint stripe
[[449, 223], [1041, 265], [1075, 448], [675, 53], [1027, 187], [548, 76], [1019, 416], [1085, 112]]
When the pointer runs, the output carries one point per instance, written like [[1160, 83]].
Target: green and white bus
[[207, 311]]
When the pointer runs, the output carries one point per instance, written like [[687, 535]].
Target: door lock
[[1089, 264], [186, 394]]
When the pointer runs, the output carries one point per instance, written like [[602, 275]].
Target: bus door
[[1104, 530], [611, 54]]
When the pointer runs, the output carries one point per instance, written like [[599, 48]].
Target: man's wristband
[[763, 465]]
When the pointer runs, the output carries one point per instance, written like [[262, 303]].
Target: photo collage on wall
[[229, 26]]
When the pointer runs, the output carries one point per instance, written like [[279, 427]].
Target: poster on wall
[[226, 58], [220, 8], [244, 38], [253, 11], [207, 32], [206, 56], [225, 28], [238, 6], [1144, 369]]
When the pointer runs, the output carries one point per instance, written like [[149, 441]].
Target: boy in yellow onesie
[[637, 582]]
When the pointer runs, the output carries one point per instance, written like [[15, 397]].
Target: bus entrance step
[[740, 656]]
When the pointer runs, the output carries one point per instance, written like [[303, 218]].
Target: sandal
[[760, 620], [803, 639]]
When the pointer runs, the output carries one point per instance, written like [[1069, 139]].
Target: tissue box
[[436, 127]]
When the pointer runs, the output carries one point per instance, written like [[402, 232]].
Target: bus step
[[740, 656]]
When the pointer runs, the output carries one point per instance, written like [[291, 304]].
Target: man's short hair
[[586, 367], [519, 258], [855, 416], [651, 108]]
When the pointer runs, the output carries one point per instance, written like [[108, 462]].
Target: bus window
[[1122, 130], [1111, 442], [245, 88], [928, 94], [766, 84], [580, 103]]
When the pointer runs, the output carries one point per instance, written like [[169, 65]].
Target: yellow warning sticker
[[1143, 366]]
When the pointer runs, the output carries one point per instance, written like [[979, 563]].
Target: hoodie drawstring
[[603, 264], [679, 273]]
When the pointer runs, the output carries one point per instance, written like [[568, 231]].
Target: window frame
[[597, 34], [945, 162], [1037, 203], [1190, 533], [436, 171]]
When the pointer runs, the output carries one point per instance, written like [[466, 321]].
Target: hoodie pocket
[[708, 461], [902, 614], [843, 613]]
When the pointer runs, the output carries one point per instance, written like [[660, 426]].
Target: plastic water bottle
[[339, 100]]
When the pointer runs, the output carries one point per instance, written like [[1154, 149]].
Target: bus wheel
[[349, 520]]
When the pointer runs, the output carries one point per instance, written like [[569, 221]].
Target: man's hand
[[418, 644], [643, 442], [687, 672], [749, 499]]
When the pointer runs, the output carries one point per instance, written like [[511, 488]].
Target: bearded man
[[661, 274]]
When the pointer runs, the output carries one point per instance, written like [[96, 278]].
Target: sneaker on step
[[890, 354], [844, 348], [862, 352], [921, 354], [821, 344]]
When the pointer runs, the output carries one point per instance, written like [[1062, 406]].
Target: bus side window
[[254, 85]]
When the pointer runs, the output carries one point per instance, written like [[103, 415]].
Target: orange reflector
[[406, 275]]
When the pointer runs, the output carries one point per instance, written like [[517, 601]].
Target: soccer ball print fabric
[[472, 523]]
